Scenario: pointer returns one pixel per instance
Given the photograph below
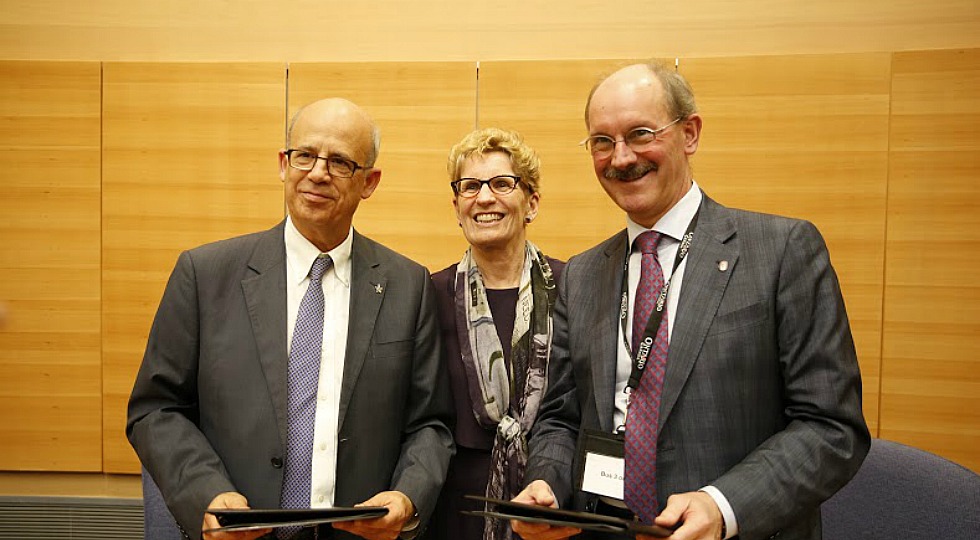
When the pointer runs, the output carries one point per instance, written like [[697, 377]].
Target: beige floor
[[70, 484]]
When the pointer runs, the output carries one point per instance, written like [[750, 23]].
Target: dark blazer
[[467, 431], [762, 393], [208, 409]]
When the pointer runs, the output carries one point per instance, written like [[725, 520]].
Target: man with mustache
[[714, 340]]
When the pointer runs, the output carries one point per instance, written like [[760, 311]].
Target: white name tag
[[604, 475]]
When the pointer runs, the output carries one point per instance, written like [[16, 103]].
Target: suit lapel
[[367, 290], [609, 273], [265, 297], [701, 293]]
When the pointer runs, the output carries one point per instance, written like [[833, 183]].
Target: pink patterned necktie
[[644, 408], [301, 388]]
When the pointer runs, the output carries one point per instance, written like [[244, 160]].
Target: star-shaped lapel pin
[[379, 288]]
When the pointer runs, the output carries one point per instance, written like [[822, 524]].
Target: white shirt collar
[[674, 223], [300, 253]]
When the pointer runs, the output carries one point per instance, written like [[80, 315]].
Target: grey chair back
[[158, 522], [904, 492]]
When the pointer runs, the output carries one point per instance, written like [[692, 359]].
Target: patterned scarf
[[489, 386]]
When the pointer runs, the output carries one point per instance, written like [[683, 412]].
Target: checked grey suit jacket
[[762, 393], [208, 409]]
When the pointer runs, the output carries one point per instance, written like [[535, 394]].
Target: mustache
[[630, 173]]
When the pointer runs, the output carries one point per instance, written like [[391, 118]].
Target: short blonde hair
[[484, 141]]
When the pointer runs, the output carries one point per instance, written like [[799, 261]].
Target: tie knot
[[647, 241], [320, 265]]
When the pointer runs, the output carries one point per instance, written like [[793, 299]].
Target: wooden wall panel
[[422, 109], [189, 156], [931, 349], [450, 30], [807, 137], [545, 101], [50, 402]]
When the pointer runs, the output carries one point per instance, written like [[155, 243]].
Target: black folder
[[261, 518], [586, 521]]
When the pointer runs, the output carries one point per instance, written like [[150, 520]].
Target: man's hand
[[228, 499], [387, 527], [539, 493], [696, 513]]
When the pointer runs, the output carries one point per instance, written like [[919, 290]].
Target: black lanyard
[[653, 324]]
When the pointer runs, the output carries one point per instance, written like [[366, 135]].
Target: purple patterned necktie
[[304, 377], [642, 420]]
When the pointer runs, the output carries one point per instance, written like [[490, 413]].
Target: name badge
[[603, 475], [600, 465]]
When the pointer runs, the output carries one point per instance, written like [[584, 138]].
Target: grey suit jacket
[[208, 409], [762, 393]]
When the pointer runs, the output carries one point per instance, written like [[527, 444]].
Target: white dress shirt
[[300, 253], [672, 226]]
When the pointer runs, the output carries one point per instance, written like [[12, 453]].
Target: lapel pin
[[722, 265], [379, 288]]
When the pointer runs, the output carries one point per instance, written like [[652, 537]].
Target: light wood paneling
[[449, 30], [422, 109], [189, 156], [931, 350], [50, 414], [545, 102], [807, 137]]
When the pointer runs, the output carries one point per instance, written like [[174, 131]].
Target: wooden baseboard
[[61, 484]]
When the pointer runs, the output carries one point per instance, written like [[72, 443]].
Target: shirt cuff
[[411, 528], [731, 526]]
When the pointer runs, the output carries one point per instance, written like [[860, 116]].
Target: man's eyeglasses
[[337, 166], [638, 140], [471, 187]]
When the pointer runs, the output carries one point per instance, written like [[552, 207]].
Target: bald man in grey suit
[[760, 414], [208, 412]]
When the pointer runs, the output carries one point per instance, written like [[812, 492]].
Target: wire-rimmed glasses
[[639, 139]]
